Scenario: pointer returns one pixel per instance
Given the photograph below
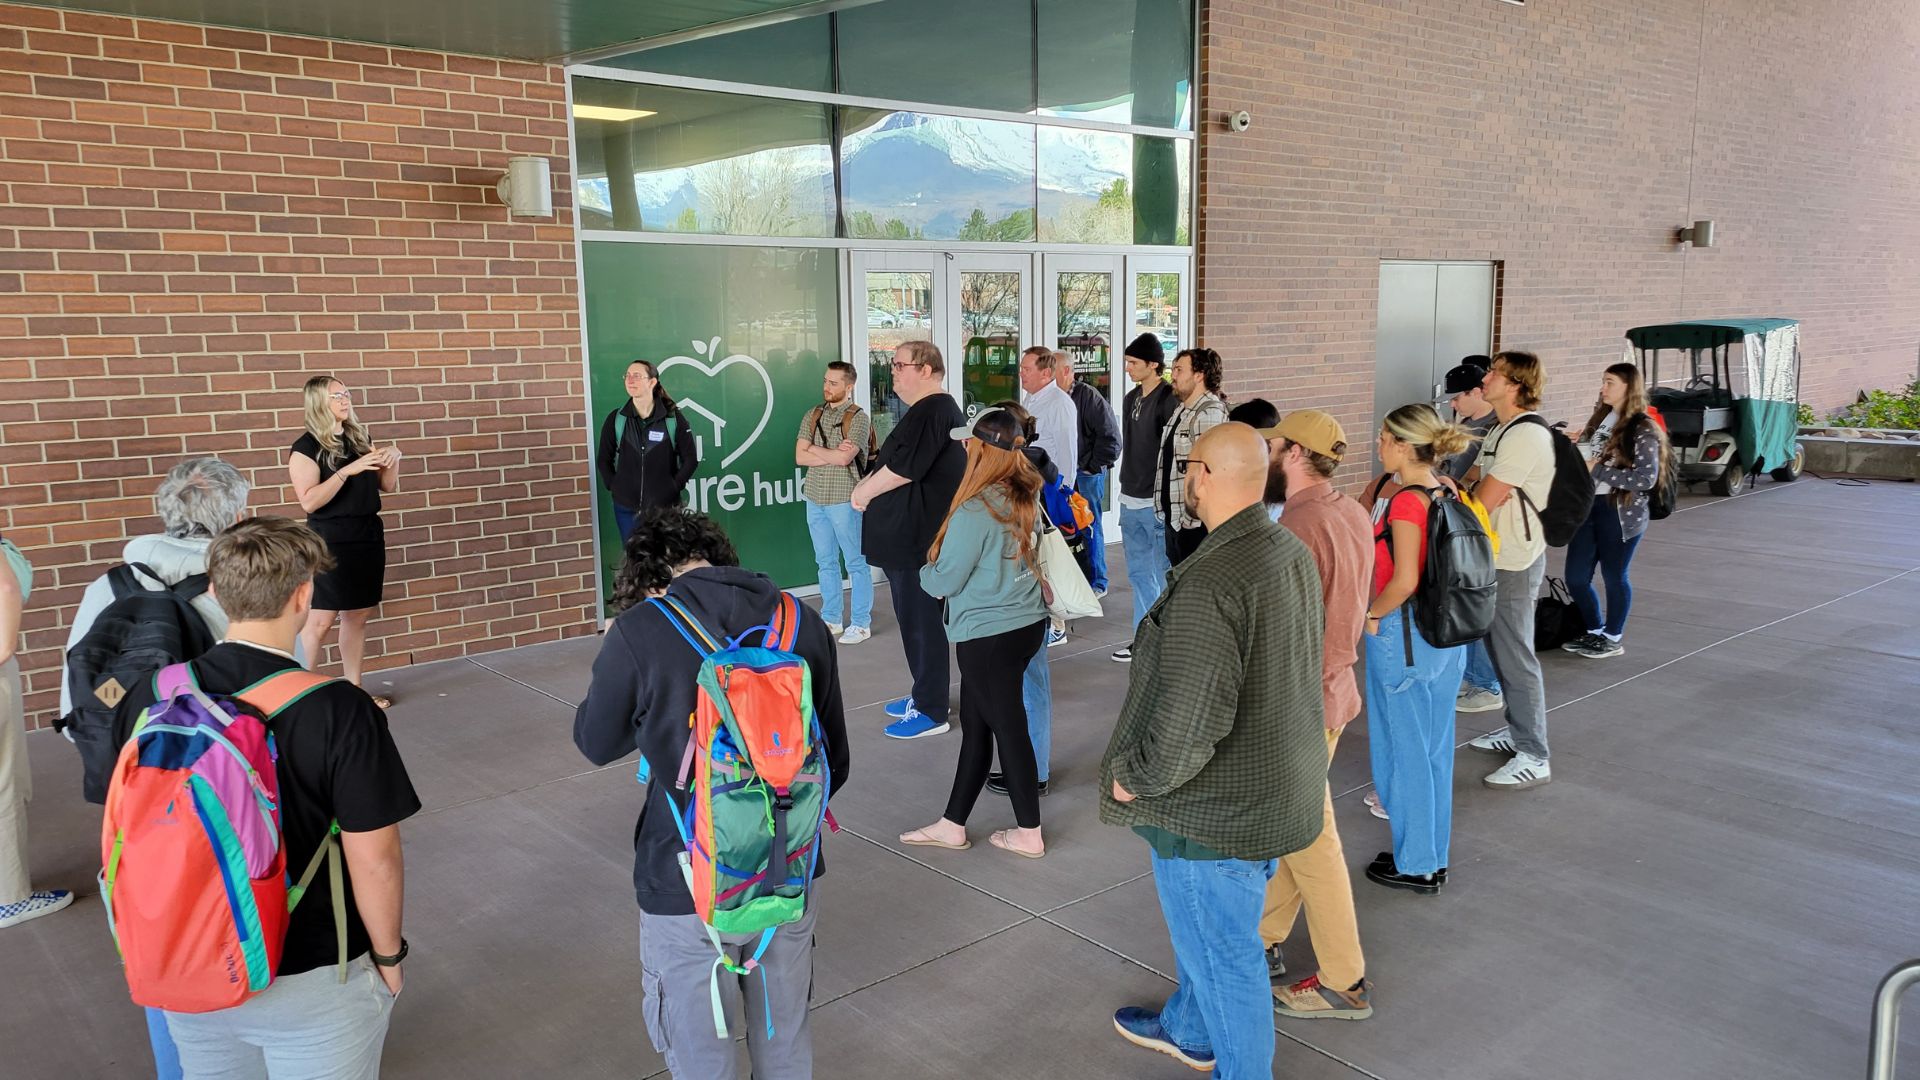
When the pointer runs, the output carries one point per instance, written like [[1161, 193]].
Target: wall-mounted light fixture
[[1700, 235], [527, 189]]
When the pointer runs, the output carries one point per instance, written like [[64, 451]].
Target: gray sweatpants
[[1510, 644], [676, 962], [308, 1026]]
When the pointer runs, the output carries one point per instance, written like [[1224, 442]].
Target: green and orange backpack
[[751, 797]]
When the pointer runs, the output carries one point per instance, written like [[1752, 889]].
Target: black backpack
[[141, 631], [1570, 499], [1454, 602]]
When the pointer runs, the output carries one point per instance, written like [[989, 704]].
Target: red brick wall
[[1560, 139], [193, 220]]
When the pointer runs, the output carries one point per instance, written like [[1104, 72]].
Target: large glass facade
[[1107, 187], [665, 159], [1122, 61], [914, 176]]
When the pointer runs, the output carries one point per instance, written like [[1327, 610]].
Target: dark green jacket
[[1221, 737]]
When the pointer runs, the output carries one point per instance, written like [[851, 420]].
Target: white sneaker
[[1495, 742], [1523, 772], [1372, 799], [855, 635], [1123, 655], [34, 906], [834, 628], [1474, 699]]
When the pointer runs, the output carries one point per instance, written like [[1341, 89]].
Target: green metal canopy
[[512, 29], [1703, 333]]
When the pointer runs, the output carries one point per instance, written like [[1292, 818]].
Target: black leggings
[[991, 712]]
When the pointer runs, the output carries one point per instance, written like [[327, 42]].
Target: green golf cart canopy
[[1702, 333]]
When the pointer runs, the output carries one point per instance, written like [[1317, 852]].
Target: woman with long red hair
[[985, 563]]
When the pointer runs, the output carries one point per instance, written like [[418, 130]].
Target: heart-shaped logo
[[712, 367]]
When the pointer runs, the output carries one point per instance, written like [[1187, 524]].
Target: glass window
[[977, 54], [1125, 61], [796, 54], [899, 310], [1156, 310], [913, 176], [664, 159], [1084, 301], [1098, 187], [990, 336]]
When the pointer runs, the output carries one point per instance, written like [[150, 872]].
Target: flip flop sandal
[[927, 840], [1000, 841], [383, 701]]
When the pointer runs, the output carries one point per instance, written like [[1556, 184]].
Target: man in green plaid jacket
[[1219, 757]]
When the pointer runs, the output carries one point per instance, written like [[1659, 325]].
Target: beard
[[1276, 492]]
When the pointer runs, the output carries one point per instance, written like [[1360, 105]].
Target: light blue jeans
[[1143, 536], [1480, 674], [836, 535], [1036, 693], [1093, 488], [1410, 739], [1224, 1002]]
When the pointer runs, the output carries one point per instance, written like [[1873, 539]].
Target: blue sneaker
[[899, 709], [1141, 1027], [916, 725], [44, 902]]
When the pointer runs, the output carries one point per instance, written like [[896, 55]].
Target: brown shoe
[[1309, 1000]]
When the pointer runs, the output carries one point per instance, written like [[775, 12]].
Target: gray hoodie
[[174, 559]]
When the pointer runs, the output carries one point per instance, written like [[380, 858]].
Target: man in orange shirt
[[1303, 451]]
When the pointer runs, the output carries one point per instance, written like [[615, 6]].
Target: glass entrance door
[[904, 297], [993, 301]]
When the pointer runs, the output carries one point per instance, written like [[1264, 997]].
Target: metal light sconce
[[1700, 235], [527, 189]]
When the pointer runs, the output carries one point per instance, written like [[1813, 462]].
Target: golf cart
[[1727, 419]]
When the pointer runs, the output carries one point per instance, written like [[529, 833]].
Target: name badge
[[656, 435]]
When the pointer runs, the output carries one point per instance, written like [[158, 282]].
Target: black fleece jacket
[[643, 692], [652, 467]]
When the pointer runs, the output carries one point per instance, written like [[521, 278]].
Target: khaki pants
[[1316, 878], [16, 788]]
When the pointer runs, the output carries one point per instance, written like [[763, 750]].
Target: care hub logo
[[725, 392]]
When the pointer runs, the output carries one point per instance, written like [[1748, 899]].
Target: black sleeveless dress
[[350, 524]]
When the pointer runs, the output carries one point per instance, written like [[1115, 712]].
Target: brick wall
[[1566, 141], [193, 220]]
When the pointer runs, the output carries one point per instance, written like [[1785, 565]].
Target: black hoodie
[[643, 692]]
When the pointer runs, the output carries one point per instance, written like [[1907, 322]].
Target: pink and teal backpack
[[751, 797], [195, 872]]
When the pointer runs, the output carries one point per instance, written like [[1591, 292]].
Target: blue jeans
[[166, 1059], [836, 534], [1094, 489], [1036, 693], [623, 520], [1599, 543], [1143, 536], [1480, 673], [1410, 739], [1224, 1002]]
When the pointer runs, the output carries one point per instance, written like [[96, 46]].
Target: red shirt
[[1407, 506]]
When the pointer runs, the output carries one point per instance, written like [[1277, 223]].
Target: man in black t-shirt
[[904, 501], [325, 1013]]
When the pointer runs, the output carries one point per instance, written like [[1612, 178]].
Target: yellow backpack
[[1480, 511]]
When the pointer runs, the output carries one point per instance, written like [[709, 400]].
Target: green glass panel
[[990, 332], [1125, 61], [666, 159], [1100, 187], [977, 54], [917, 176], [742, 337], [797, 54]]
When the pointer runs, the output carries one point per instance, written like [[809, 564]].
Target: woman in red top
[[1410, 684]]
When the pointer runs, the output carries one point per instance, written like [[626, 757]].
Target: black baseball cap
[[995, 427], [1464, 377]]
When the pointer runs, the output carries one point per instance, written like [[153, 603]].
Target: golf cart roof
[[1702, 333]]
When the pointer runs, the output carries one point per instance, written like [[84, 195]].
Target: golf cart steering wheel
[[1699, 381]]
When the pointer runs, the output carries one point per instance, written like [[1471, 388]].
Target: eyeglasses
[[1191, 462], [902, 365]]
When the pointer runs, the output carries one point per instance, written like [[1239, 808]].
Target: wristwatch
[[389, 961]]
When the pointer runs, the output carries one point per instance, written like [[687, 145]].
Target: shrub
[[1883, 409]]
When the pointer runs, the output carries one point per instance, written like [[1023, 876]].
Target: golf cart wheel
[[1731, 482], [1791, 471]]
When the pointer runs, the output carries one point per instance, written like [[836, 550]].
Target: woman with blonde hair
[[1628, 454], [985, 563], [339, 476], [1410, 684]]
